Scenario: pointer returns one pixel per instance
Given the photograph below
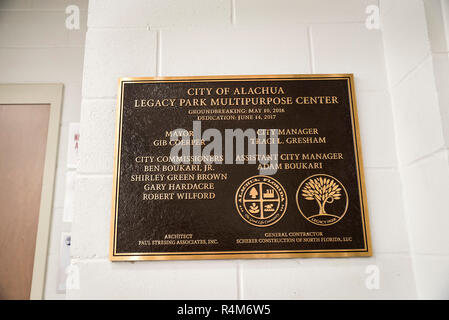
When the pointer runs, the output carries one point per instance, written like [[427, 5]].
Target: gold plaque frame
[[137, 256]]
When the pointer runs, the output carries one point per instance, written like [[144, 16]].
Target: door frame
[[50, 94]]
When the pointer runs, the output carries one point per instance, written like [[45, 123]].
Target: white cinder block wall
[[36, 47], [213, 37], [416, 49]]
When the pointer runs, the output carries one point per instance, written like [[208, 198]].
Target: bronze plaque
[[238, 167]]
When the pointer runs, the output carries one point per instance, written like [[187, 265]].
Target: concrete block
[[386, 212], [377, 129], [102, 279], [329, 278], [97, 136], [300, 11], [350, 48], [158, 13], [238, 50], [405, 37], [427, 186], [432, 277], [90, 227], [417, 115], [111, 54]]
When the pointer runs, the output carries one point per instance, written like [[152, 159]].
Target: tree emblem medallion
[[322, 199]]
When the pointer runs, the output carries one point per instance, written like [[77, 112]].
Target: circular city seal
[[322, 199], [261, 201]]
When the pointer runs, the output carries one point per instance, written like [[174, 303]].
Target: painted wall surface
[[417, 58], [218, 37], [36, 47]]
